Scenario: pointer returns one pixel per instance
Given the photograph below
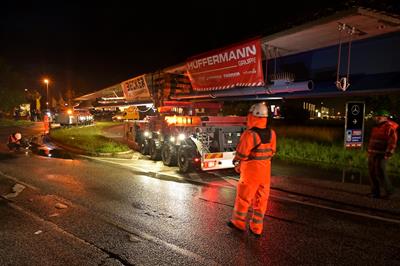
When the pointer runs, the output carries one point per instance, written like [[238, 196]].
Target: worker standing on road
[[253, 156], [46, 124], [382, 144]]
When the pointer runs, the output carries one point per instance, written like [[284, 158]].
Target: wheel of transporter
[[168, 155], [153, 151], [144, 147], [184, 162]]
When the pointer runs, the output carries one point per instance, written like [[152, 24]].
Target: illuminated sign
[[236, 66], [136, 89], [354, 129]]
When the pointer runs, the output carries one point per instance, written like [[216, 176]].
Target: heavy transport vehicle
[[182, 134]]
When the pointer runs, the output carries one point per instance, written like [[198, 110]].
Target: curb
[[75, 150], [66, 147], [102, 154]]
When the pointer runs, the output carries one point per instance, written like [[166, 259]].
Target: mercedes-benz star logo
[[355, 109]]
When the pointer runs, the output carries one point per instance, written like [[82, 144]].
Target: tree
[[294, 113], [390, 103], [70, 95], [12, 93]]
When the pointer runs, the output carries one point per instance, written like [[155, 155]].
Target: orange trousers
[[46, 124], [252, 190]]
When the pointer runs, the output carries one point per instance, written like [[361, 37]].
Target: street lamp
[[46, 81]]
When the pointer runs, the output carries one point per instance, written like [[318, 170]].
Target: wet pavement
[[148, 216], [346, 175], [348, 186], [138, 212], [40, 243]]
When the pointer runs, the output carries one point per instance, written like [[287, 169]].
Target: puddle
[[53, 153]]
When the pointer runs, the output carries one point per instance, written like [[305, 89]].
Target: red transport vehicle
[[182, 134]]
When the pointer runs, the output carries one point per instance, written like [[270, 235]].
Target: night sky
[[90, 46]]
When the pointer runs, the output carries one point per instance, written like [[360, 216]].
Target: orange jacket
[[254, 156], [13, 139], [383, 138]]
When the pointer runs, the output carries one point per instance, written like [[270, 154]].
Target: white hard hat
[[18, 136], [259, 110]]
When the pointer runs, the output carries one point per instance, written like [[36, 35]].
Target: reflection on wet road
[[53, 153]]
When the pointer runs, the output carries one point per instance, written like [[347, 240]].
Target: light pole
[[46, 81]]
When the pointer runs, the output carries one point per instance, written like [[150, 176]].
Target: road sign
[[354, 125]]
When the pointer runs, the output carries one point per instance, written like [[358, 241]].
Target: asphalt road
[[82, 211]]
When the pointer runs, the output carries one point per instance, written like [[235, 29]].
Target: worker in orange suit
[[46, 124], [381, 147], [252, 160]]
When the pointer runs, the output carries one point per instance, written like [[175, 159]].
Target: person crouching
[[14, 141]]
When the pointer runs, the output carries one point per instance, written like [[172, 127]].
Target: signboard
[[235, 66], [162, 85], [136, 89], [354, 125]]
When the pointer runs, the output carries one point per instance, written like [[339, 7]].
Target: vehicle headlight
[[181, 136], [172, 139]]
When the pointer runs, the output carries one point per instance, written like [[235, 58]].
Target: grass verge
[[14, 123], [89, 138], [298, 148], [328, 155]]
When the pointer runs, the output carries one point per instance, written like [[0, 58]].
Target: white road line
[[233, 182], [175, 248], [50, 224], [18, 181], [141, 234], [339, 210], [158, 173], [229, 180], [104, 160]]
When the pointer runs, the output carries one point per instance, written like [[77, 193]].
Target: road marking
[[18, 181], [17, 189], [229, 180], [189, 254], [50, 224], [60, 230], [181, 251], [339, 210], [156, 240], [233, 181], [370, 216], [108, 161]]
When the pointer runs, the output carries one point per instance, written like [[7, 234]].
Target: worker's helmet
[[382, 112], [259, 110], [18, 136]]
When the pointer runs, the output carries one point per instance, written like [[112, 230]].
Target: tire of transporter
[[184, 161], [143, 147], [154, 153], [168, 155]]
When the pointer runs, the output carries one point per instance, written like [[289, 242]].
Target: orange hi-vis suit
[[46, 124], [255, 174]]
